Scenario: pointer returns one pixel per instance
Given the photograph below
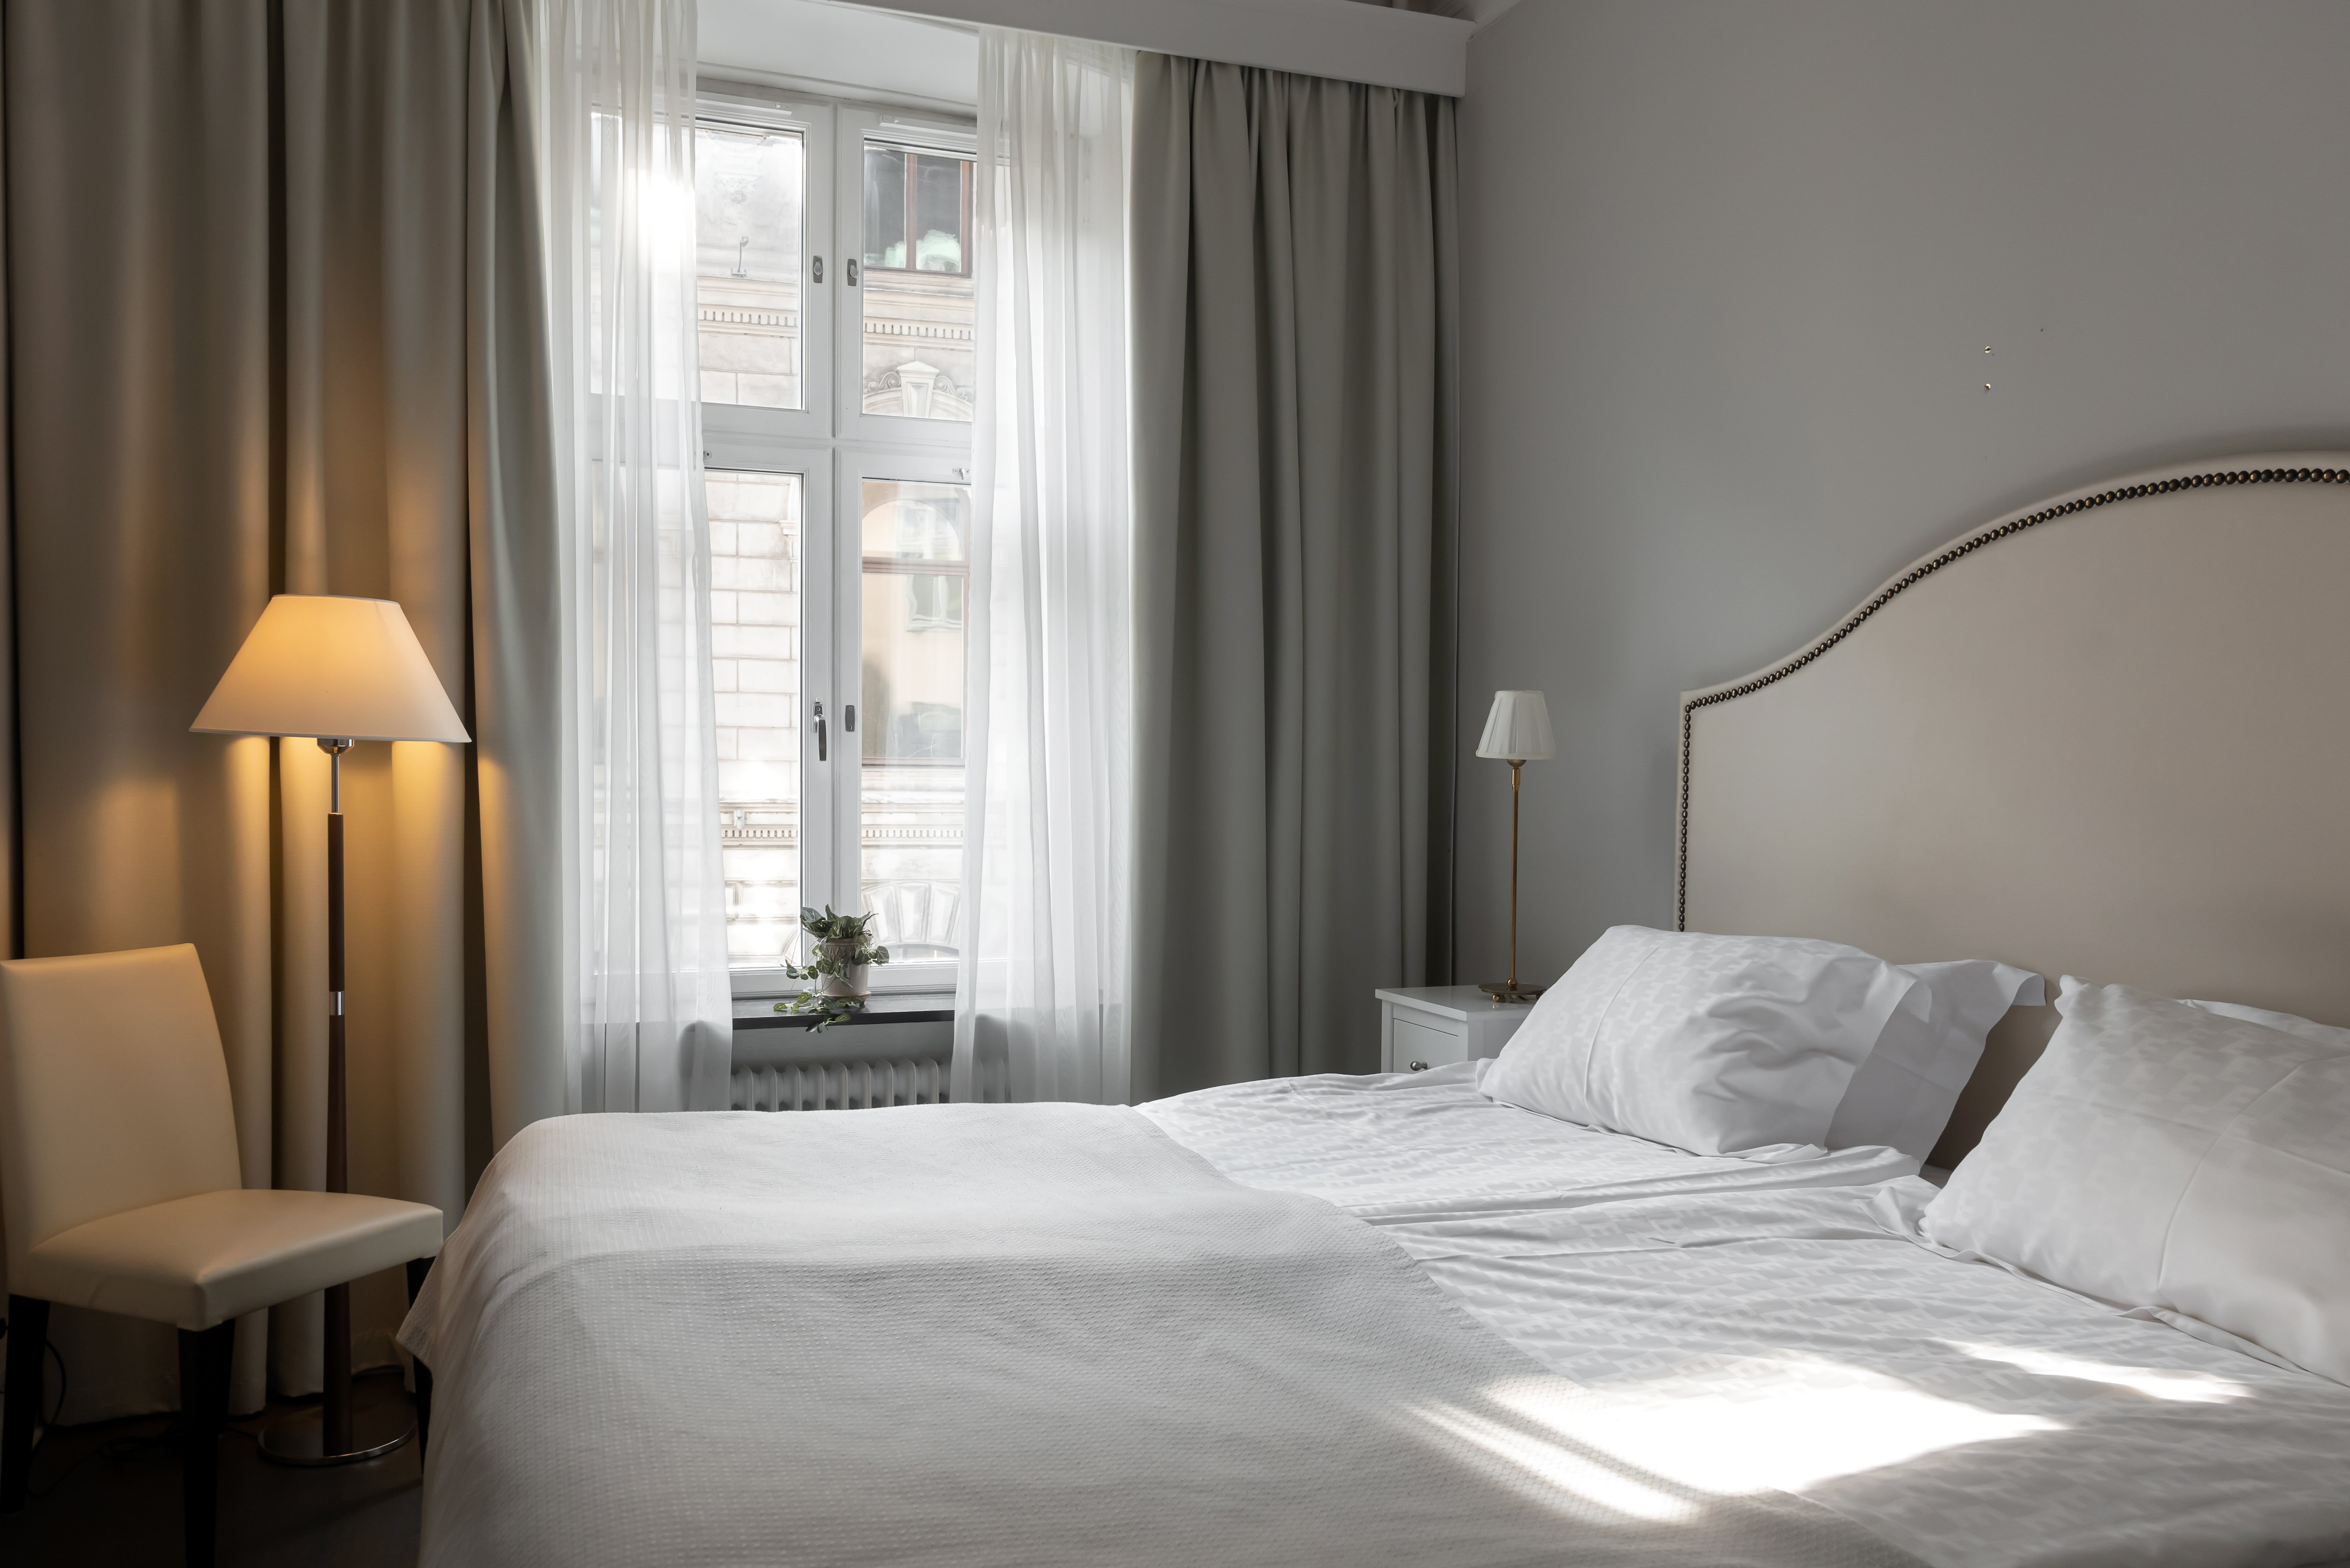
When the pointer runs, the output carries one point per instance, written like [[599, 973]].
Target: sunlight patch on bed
[[1739, 1425], [1547, 1471], [2156, 1383]]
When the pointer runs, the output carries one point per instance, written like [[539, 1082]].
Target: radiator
[[840, 1085], [854, 1085]]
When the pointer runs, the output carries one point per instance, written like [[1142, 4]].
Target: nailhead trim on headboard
[[1963, 547]]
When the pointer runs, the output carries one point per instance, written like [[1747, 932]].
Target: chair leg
[[204, 1410], [417, 1269], [28, 1338]]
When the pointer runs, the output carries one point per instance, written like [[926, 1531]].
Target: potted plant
[[845, 951]]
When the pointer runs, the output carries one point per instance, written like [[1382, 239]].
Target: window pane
[[749, 196], [885, 207], [919, 354], [910, 719], [755, 639], [938, 215]]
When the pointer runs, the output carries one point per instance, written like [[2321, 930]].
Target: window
[[836, 323], [751, 193], [919, 354], [756, 525]]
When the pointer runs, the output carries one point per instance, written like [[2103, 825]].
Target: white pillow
[[2175, 1159], [1902, 1095], [1714, 1045]]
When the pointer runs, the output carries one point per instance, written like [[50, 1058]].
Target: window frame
[[834, 445]]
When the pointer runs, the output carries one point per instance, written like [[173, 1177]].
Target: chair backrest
[[117, 1090]]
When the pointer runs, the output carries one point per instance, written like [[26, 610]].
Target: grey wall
[[1729, 271]]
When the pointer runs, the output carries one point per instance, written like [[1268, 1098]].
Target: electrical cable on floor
[[51, 1346], [116, 1448], [42, 1430]]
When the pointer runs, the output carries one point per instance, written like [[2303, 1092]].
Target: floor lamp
[[339, 670], [1517, 731]]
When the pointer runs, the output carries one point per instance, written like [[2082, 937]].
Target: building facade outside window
[[838, 359]]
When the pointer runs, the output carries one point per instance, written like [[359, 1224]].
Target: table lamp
[[339, 670], [1518, 732]]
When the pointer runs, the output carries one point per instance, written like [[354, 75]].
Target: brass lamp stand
[[1517, 731]]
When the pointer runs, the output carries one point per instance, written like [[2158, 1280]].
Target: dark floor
[[107, 1496]]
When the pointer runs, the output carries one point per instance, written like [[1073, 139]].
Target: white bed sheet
[[1749, 1324], [1402, 1145]]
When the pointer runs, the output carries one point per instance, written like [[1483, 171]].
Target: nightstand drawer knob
[[1419, 1066]]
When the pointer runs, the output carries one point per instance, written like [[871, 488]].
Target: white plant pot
[[854, 983]]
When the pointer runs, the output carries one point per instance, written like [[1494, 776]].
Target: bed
[[1392, 1320], [1781, 1328]]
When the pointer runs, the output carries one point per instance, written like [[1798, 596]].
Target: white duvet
[[1742, 1326], [674, 1339], [961, 1337]]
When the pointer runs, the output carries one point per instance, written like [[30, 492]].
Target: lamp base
[[1503, 991], [375, 1432]]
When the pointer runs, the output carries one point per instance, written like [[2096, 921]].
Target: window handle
[[848, 718], [819, 269], [852, 272], [820, 734]]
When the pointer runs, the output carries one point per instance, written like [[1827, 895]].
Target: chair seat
[[196, 1262]]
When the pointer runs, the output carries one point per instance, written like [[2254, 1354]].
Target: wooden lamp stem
[[337, 1416]]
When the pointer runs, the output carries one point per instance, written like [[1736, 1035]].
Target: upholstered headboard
[[2108, 736]]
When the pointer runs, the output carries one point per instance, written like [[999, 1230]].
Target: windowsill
[[882, 1007], [885, 980]]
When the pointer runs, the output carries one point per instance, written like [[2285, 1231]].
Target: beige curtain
[[276, 326], [1295, 450]]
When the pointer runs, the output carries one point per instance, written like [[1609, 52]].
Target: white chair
[[118, 1148]]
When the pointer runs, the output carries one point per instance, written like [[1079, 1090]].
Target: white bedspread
[[970, 1335], [1742, 1326], [1975, 1419]]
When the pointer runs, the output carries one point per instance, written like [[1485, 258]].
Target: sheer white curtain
[[1041, 1007], [645, 901]]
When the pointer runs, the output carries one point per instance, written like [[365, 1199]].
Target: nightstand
[[1432, 1025]]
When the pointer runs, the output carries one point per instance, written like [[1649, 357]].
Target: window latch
[[819, 269], [852, 272], [848, 718], [820, 734]]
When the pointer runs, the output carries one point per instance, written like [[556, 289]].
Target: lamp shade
[[1518, 728], [339, 668]]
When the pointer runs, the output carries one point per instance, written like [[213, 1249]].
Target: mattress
[[1747, 1325]]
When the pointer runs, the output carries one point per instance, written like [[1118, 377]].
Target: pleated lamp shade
[[341, 668], [1517, 728]]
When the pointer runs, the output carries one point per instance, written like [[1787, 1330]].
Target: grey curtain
[[1295, 369], [275, 324]]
